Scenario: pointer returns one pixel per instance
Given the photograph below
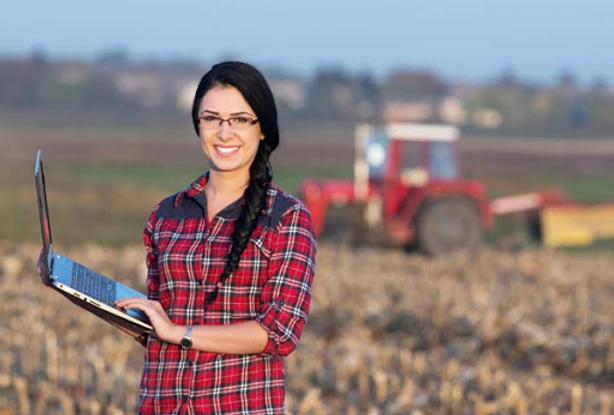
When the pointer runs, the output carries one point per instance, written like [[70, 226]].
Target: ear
[[261, 136]]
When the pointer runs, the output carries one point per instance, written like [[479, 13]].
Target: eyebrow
[[234, 114]]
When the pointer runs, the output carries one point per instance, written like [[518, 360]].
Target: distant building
[[487, 118], [289, 91], [155, 85], [413, 111], [148, 88], [451, 110], [72, 72], [185, 97], [447, 109]]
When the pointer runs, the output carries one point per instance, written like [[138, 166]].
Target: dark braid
[[256, 91], [255, 200]]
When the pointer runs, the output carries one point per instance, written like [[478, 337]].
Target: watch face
[[185, 343]]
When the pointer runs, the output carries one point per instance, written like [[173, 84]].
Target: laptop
[[88, 289]]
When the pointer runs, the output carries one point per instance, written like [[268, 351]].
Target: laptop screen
[[39, 178]]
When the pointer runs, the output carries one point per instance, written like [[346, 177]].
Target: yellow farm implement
[[576, 225]]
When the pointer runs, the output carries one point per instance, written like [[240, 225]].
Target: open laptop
[[83, 286]]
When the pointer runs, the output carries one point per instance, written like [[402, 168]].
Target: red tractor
[[407, 187]]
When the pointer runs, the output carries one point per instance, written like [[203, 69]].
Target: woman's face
[[229, 148]]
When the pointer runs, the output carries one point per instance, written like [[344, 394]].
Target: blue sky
[[461, 39]]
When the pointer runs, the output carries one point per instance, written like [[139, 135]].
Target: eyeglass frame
[[222, 120]]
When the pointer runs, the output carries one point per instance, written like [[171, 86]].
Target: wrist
[[175, 334]]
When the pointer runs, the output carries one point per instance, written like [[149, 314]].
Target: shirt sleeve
[[286, 296], [151, 260]]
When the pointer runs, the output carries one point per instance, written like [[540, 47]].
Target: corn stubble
[[519, 333]]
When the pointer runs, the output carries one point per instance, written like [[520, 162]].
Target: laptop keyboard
[[93, 284]]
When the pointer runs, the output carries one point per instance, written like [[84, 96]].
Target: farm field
[[522, 331], [502, 332]]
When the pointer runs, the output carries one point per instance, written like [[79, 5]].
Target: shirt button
[[190, 363], [185, 398]]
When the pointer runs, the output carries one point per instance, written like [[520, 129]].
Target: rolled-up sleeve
[[151, 260], [286, 296]]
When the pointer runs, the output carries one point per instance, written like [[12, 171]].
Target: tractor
[[407, 189]]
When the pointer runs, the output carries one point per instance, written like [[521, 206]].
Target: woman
[[231, 261]]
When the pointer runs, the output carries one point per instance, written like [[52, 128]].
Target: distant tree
[[566, 79], [602, 113], [598, 85], [410, 84], [368, 98], [323, 93], [116, 57], [21, 80], [508, 77], [96, 91], [187, 66], [579, 112], [568, 110], [601, 101]]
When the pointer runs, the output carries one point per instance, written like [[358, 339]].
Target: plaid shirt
[[272, 285]]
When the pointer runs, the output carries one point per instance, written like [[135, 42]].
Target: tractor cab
[[412, 154]]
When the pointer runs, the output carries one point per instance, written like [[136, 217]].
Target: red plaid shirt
[[272, 285]]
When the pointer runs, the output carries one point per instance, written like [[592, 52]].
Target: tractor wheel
[[448, 225]]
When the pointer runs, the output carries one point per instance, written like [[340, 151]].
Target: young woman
[[231, 262]]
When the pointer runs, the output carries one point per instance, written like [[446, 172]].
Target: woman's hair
[[256, 91]]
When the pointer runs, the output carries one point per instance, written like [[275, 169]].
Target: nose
[[224, 130]]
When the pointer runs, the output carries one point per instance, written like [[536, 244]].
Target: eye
[[209, 118], [241, 120]]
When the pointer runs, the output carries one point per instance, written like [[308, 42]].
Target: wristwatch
[[186, 341]]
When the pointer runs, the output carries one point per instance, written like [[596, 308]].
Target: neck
[[227, 184]]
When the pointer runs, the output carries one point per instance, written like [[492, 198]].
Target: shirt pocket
[[259, 243]]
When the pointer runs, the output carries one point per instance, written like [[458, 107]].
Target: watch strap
[[188, 333]]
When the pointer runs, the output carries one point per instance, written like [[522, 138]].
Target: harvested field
[[529, 332]]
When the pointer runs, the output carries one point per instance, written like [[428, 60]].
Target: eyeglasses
[[235, 123]]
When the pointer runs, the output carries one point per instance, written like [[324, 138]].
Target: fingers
[[133, 299], [127, 302], [137, 302], [160, 321]]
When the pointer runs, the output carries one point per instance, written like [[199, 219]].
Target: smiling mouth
[[226, 151]]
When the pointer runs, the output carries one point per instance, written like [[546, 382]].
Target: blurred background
[[105, 90]]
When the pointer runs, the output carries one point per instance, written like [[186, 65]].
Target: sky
[[459, 39]]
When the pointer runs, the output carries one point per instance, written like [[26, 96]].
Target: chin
[[225, 166]]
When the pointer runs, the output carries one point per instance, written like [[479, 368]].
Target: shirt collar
[[196, 191]]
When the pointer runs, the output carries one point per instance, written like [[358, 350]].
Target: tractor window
[[411, 155], [412, 171], [443, 160]]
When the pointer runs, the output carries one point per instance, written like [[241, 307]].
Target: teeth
[[227, 150]]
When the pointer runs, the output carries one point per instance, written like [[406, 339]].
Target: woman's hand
[[41, 265], [164, 328]]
